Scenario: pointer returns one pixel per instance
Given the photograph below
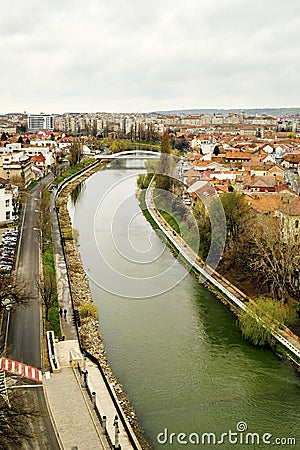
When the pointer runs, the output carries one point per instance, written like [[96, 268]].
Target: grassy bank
[[48, 284], [142, 202], [147, 144], [72, 170], [52, 321], [178, 217], [31, 185]]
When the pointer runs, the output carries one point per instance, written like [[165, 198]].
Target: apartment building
[[38, 122], [16, 164], [6, 203]]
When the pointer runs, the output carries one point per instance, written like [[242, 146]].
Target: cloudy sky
[[135, 55]]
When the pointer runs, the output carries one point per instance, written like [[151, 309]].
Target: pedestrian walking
[[60, 312], [65, 313]]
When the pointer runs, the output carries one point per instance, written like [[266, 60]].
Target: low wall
[[52, 352]]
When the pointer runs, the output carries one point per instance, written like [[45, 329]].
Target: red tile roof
[[38, 158], [292, 158], [261, 182]]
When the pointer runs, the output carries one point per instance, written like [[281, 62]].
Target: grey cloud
[[188, 53]]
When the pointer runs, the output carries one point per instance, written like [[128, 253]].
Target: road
[[24, 336], [291, 179]]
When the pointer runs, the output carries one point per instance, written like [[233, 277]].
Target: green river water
[[175, 348]]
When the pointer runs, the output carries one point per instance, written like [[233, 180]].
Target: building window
[[7, 203], [7, 215]]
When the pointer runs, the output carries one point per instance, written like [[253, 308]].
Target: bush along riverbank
[[89, 333]]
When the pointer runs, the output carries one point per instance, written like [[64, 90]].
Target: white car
[[5, 268]]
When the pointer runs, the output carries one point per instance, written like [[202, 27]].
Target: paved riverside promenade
[[73, 415], [72, 412]]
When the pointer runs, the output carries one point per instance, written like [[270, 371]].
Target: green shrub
[[73, 170], [53, 321], [88, 309]]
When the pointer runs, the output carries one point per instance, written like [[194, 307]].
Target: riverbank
[[287, 345], [89, 333]]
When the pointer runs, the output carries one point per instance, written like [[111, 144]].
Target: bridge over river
[[130, 154]]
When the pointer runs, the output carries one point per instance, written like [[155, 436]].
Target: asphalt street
[[24, 338]]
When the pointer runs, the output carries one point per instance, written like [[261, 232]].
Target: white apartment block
[[6, 205], [10, 148], [37, 122]]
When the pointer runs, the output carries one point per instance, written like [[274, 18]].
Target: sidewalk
[[71, 413], [64, 298]]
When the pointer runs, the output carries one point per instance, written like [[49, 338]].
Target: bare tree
[[267, 254], [48, 292], [12, 294], [76, 152], [13, 421]]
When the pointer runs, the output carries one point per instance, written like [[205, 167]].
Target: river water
[[175, 348]]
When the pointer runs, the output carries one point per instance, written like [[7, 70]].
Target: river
[[175, 348]]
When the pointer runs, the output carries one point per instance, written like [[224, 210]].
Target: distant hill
[[251, 111]]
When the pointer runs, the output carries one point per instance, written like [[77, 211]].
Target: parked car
[[10, 245], [5, 260], [7, 255], [5, 268], [10, 232], [8, 251], [9, 237]]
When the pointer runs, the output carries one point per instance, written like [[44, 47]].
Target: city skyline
[[115, 57]]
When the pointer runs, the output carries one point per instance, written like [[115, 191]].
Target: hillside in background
[[250, 112]]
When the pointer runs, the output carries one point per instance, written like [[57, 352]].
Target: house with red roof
[[39, 166], [260, 183], [237, 156]]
